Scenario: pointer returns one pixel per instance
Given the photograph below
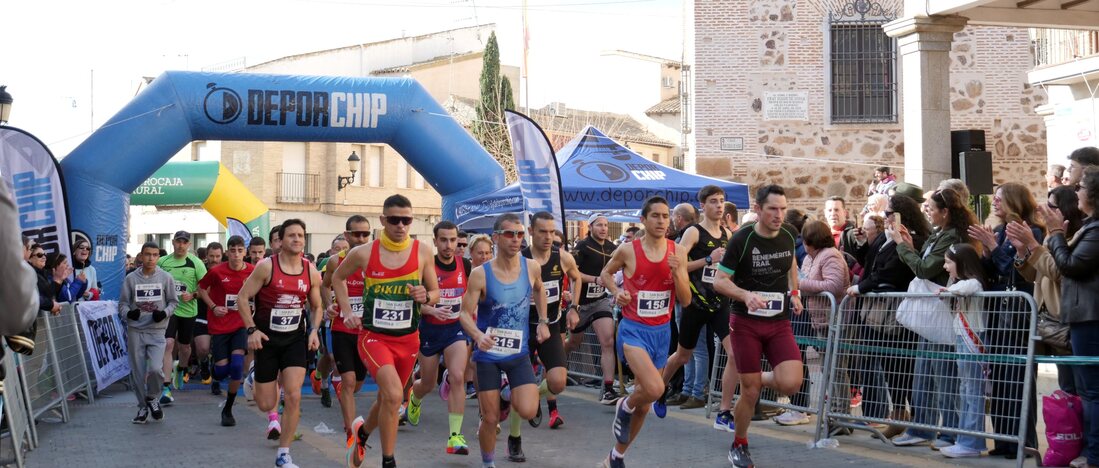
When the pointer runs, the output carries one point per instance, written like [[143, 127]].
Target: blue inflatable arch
[[180, 107]]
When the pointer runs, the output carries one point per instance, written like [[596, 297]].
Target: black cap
[[182, 235]]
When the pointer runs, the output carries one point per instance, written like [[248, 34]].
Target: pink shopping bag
[[1064, 416]]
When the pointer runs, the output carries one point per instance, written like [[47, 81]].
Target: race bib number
[[392, 315], [450, 306], [231, 301], [148, 293], [773, 307], [595, 291], [653, 303], [505, 341], [180, 289], [708, 274], [357, 306], [285, 320], [553, 291]]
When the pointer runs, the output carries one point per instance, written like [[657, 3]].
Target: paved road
[[101, 434]]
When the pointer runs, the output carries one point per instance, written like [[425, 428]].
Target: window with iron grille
[[863, 63]]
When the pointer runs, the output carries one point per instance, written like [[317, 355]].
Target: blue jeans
[[697, 369], [934, 391], [971, 389], [1085, 342]]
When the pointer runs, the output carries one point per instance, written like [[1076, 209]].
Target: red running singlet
[[281, 302], [651, 288]]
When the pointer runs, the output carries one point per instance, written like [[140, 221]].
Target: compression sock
[[515, 422], [455, 423], [543, 389], [230, 397], [552, 405]]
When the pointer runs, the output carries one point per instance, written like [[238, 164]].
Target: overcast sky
[[52, 47]]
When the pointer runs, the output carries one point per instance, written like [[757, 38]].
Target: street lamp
[[353, 164], [5, 105]]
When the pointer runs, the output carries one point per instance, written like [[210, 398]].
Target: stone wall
[[745, 48]]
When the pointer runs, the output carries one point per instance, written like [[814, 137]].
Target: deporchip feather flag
[[237, 228], [539, 178], [32, 174]]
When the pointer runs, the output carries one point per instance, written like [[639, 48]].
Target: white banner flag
[[536, 164], [106, 341], [34, 180]]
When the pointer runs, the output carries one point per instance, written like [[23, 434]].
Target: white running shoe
[[274, 430], [284, 461], [792, 418]]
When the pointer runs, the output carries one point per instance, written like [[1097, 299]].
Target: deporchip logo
[[222, 105], [602, 172]]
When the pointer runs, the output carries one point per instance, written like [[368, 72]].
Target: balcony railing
[[1056, 46], [296, 188]]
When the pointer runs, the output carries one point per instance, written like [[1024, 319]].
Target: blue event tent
[[598, 175]]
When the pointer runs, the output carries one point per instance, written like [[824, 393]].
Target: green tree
[[490, 128]]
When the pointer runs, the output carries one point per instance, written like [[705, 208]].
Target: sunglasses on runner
[[395, 220], [511, 234], [361, 233]]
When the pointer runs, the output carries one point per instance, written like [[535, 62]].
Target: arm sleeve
[[729, 261], [967, 287], [200, 270], [834, 275], [1080, 260], [171, 299], [927, 267], [125, 301], [18, 282], [1041, 263]]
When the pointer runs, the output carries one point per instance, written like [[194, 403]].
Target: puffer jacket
[[824, 272], [1077, 262]]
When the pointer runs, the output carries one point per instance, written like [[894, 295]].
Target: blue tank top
[[504, 313]]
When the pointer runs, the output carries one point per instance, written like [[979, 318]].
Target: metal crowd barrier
[[812, 343], [586, 360], [19, 436], [39, 385], [941, 382]]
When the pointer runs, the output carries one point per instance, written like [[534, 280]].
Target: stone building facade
[[752, 54]]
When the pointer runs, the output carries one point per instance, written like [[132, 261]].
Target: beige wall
[[744, 48]]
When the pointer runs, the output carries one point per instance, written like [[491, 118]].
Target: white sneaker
[[792, 418], [957, 451], [939, 444], [1079, 462], [908, 440], [284, 461]]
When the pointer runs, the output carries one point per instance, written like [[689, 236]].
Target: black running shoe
[[326, 398], [740, 457], [227, 419], [215, 388], [142, 415], [154, 408], [610, 396], [515, 449], [537, 420]]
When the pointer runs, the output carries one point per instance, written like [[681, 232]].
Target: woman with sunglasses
[[1008, 327], [84, 271], [950, 220], [1035, 263], [47, 289], [1076, 260]]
